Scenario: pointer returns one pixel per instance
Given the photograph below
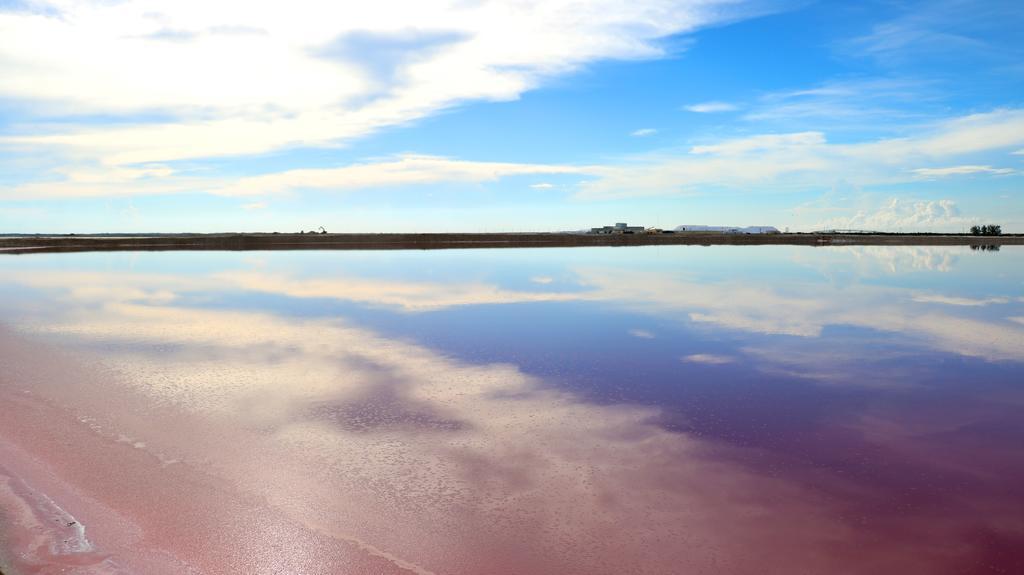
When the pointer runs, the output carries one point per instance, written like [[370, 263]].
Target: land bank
[[398, 241]]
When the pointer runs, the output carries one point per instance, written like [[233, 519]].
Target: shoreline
[[22, 244]]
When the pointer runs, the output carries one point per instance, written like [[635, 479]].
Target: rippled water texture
[[593, 410]]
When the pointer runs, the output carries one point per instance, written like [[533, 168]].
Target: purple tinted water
[[647, 410]]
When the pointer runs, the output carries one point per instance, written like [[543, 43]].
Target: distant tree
[[987, 230]]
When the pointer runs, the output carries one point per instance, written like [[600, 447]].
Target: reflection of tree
[[985, 247]]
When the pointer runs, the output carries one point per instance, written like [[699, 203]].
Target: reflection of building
[[730, 229], [619, 228]]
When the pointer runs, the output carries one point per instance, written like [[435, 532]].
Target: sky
[[478, 115]]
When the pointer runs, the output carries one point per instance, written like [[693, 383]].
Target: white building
[[729, 229], [619, 228]]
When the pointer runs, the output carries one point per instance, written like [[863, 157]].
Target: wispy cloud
[[946, 29], [711, 107], [641, 333], [960, 171], [643, 132], [403, 170], [958, 301], [766, 143], [708, 359], [799, 160], [882, 103], [804, 159], [542, 186], [254, 206]]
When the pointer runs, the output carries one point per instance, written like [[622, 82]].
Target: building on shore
[[619, 228], [729, 229]]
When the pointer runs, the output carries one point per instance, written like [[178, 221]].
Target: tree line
[[986, 230]]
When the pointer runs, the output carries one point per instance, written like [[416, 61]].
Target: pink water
[[147, 426]]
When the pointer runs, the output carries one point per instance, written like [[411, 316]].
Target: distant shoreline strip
[[13, 245]]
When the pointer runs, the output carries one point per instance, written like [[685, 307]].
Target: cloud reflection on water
[[461, 467], [491, 463]]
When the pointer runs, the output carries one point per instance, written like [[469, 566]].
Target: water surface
[[763, 409]]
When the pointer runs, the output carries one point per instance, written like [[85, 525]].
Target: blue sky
[[488, 116]]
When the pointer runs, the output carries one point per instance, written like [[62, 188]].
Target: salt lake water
[[683, 409]]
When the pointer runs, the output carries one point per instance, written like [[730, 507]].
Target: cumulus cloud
[[901, 214], [711, 107], [960, 171]]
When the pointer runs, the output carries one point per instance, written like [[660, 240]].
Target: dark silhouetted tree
[[987, 230]]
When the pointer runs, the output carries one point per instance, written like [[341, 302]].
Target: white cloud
[[708, 358], [544, 280], [800, 160], [766, 143], [711, 107], [900, 214], [959, 171], [404, 170], [959, 301], [542, 186], [242, 79], [407, 169], [254, 206], [641, 333], [1019, 152], [804, 159], [961, 135], [643, 132]]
